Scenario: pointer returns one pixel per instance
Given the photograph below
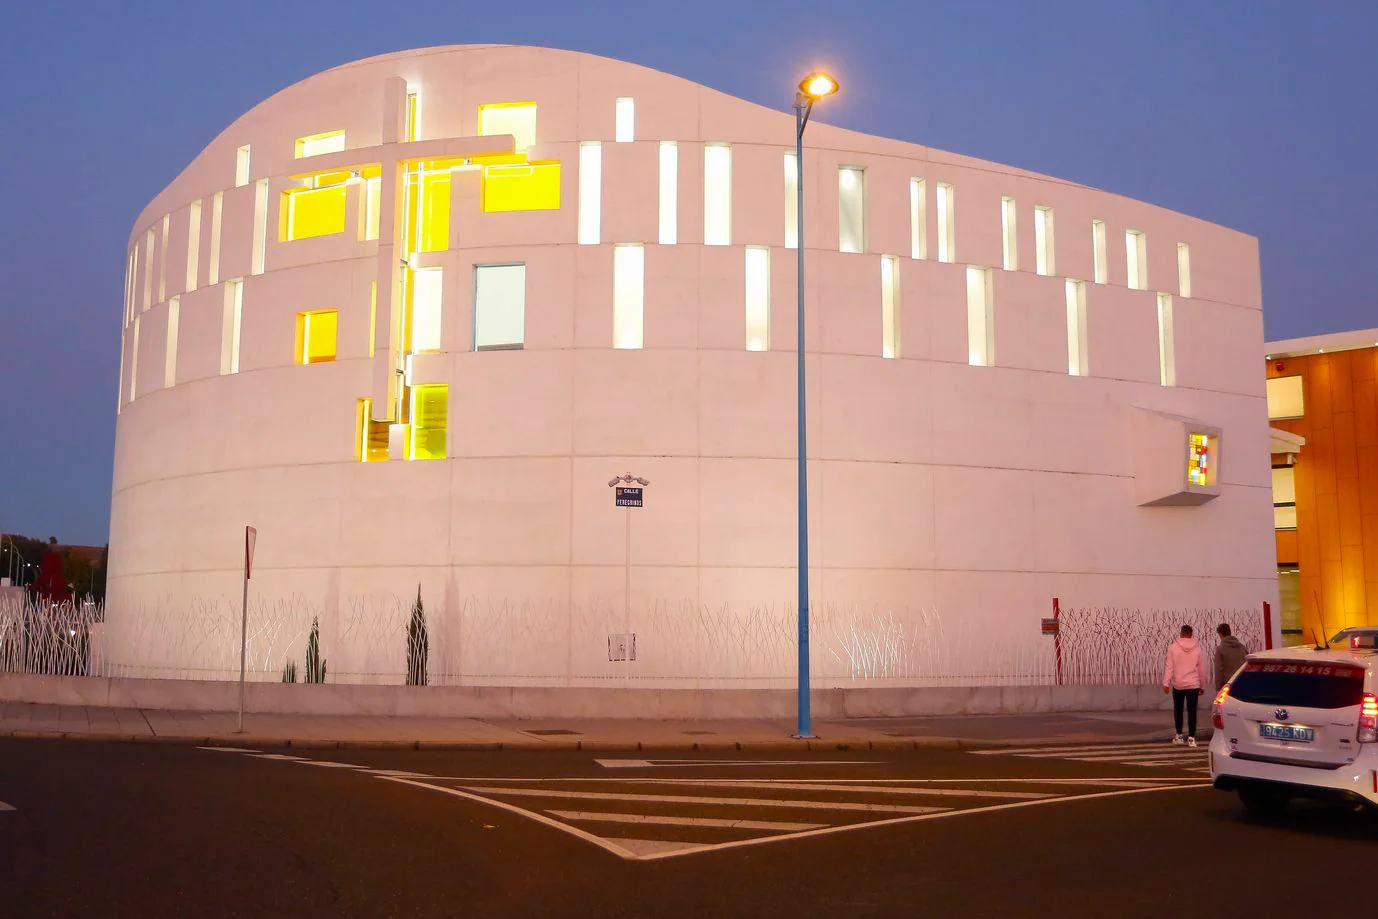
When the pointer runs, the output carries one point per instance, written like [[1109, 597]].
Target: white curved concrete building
[[409, 317]]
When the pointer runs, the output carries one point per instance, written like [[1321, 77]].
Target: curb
[[586, 746], [551, 746]]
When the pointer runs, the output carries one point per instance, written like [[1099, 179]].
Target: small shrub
[[418, 643], [315, 664]]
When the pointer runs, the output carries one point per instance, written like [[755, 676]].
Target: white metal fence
[[685, 645]]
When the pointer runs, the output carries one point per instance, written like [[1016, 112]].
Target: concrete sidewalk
[[26, 720]]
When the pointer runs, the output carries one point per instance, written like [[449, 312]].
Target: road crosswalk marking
[[646, 818], [1161, 755], [642, 798], [598, 817], [6, 807]]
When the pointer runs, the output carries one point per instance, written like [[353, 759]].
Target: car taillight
[[1218, 706], [1368, 719]]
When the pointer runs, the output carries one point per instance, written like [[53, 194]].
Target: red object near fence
[[1267, 626], [1057, 639]]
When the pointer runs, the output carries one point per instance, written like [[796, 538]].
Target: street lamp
[[813, 87]]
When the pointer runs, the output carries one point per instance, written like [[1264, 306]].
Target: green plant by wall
[[289, 673], [418, 643], [315, 664]]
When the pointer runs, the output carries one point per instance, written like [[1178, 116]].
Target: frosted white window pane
[[626, 120], [1043, 241], [329, 143], [717, 195], [1135, 250], [918, 218], [851, 209], [791, 202], [890, 306], [230, 320], [590, 193], [1285, 485], [1285, 398], [517, 120], [980, 321], [1076, 328], [373, 197], [628, 294], [174, 316], [241, 166], [499, 306], [426, 309], [757, 298], [947, 224], [1184, 269], [1167, 365], [669, 193], [1008, 238], [1098, 248], [260, 225]]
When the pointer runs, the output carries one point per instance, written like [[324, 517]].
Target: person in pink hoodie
[[1183, 676]]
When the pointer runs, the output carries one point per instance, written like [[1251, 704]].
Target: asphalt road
[[115, 830]]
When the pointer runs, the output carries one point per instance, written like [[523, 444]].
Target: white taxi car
[[1299, 723]]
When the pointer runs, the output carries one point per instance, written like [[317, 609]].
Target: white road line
[[872, 789], [333, 765], [1134, 780], [684, 821], [7, 807], [853, 827], [677, 763], [699, 799], [280, 756], [539, 818], [1080, 748], [1109, 754], [1139, 760], [642, 848]]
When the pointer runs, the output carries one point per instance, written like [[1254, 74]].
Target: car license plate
[[1289, 732]]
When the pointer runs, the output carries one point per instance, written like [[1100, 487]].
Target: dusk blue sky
[[1256, 115]]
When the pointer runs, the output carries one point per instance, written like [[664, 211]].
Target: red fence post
[[1267, 626], [1057, 638]]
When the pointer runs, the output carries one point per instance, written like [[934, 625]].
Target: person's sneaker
[[1191, 741], [1178, 740]]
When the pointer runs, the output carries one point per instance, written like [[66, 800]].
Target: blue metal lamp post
[[812, 88]]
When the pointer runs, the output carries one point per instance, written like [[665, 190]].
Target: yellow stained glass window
[[317, 332], [371, 438], [1201, 460], [533, 187], [313, 212], [430, 406]]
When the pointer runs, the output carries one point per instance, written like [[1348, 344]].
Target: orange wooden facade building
[[1324, 392]]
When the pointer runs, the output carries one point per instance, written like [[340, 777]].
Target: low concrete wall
[[535, 702]]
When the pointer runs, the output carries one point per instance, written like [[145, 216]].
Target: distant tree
[[418, 643], [20, 557]]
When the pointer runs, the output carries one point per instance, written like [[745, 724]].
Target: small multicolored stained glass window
[[1201, 459]]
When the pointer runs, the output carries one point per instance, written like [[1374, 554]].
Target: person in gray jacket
[[1229, 655]]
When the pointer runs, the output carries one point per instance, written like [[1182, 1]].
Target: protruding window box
[[1176, 460]]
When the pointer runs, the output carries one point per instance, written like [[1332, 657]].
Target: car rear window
[[1299, 684]]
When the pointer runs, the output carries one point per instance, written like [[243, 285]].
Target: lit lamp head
[[817, 85]]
